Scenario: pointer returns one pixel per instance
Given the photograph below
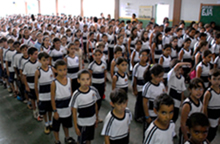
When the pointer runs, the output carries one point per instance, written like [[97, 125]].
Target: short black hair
[[117, 49], [206, 53], [178, 29], [202, 35], [23, 46], [83, 71], [10, 41], [194, 83], [59, 62], [16, 43], [163, 99], [215, 72], [31, 50], [144, 50], [118, 96], [166, 46], [167, 29], [97, 50], [43, 55], [197, 119], [120, 60]]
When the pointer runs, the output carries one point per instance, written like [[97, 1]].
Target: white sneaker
[[25, 101], [10, 95], [35, 114]]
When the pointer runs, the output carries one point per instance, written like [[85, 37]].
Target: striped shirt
[[72, 66]]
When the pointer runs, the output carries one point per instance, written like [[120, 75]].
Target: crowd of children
[[43, 64]]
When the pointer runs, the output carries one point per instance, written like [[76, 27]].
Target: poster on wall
[[145, 11]]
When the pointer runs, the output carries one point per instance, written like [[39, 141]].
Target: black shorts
[[5, 74], [11, 77], [32, 94], [66, 122], [44, 106], [87, 133]]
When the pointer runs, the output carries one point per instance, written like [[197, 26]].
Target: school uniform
[[55, 55], [145, 45], [85, 103], [189, 142], [122, 81], [186, 58], [166, 67], [157, 52], [138, 72], [91, 48], [213, 110], [25, 41], [111, 43], [217, 61], [180, 41], [136, 58], [215, 49], [117, 128], [31, 42], [155, 135], [174, 53], [47, 50], [166, 39], [205, 72], [84, 40], [132, 44], [64, 49], [62, 99], [8, 57], [4, 65], [44, 81], [176, 85], [122, 47], [105, 51]]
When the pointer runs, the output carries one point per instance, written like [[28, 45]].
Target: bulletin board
[[145, 11]]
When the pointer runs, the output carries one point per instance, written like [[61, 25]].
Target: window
[[67, 7]]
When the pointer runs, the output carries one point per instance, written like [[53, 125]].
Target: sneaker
[[57, 142], [25, 101], [47, 130], [39, 118], [69, 140], [10, 95], [34, 114]]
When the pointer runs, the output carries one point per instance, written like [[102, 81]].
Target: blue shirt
[[38, 46]]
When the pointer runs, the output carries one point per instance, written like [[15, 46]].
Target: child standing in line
[[45, 46], [198, 126], [117, 54], [157, 47], [174, 48], [55, 51], [29, 70], [138, 83], [85, 108], [211, 104], [60, 98], [43, 78], [98, 70], [190, 105], [73, 66], [162, 129], [116, 125], [176, 85], [64, 45], [120, 79], [38, 43], [120, 40], [135, 54], [79, 53], [90, 46]]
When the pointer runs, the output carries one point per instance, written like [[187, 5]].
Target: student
[[216, 46], [111, 43], [198, 126], [135, 54], [73, 66], [43, 78], [211, 104], [116, 124], [26, 37], [79, 53], [179, 34], [174, 48], [176, 85], [191, 35], [166, 37], [162, 129], [55, 51], [39, 41], [153, 76], [9, 66], [28, 73], [191, 105], [84, 108], [138, 83], [98, 70], [145, 40], [132, 40], [90, 46], [45, 46], [117, 54], [185, 56], [85, 34], [64, 45], [69, 36], [204, 67], [165, 60], [1, 57], [33, 39], [202, 37], [202, 46], [120, 40], [153, 34], [60, 97], [156, 49], [120, 79]]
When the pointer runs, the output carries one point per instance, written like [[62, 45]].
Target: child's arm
[[152, 52], [36, 84], [181, 64], [75, 121], [107, 141], [184, 116], [87, 48], [197, 59], [50, 60], [52, 92], [112, 68], [181, 55], [129, 43], [207, 97], [1, 57], [135, 86], [114, 80], [65, 59], [25, 83], [182, 97], [151, 38], [161, 61], [97, 114], [198, 72], [146, 112], [132, 58], [7, 70]]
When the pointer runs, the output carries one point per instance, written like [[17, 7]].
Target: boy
[[116, 125], [138, 83], [28, 78], [216, 46], [84, 108], [179, 34], [117, 54], [60, 98], [166, 37], [42, 81], [162, 129]]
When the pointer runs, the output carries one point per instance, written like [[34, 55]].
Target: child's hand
[[135, 92], [77, 131], [56, 116], [96, 123], [149, 120], [27, 89], [189, 65]]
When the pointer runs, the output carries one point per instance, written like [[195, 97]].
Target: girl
[[46, 44], [79, 53], [64, 45], [79, 37], [156, 49], [14, 35], [39, 41], [211, 103], [153, 88], [62, 32], [185, 56], [111, 43], [90, 46], [203, 45], [120, 40], [122, 32], [132, 40], [198, 126], [55, 51], [145, 40], [69, 36], [165, 60], [73, 66], [135, 54], [174, 48], [92, 29], [191, 105], [191, 35], [120, 79], [203, 68], [26, 37]]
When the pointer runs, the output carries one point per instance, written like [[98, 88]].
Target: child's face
[[39, 37], [164, 114], [120, 107], [24, 51], [98, 56], [158, 78], [198, 133], [145, 34], [123, 66], [167, 51], [57, 44], [138, 46], [47, 41], [187, 44], [215, 81], [10, 45], [208, 58], [192, 33], [64, 40], [197, 92], [144, 56], [160, 37], [77, 44], [121, 39], [84, 80], [34, 55], [118, 54], [61, 70], [44, 61], [174, 42], [179, 33], [105, 38], [92, 36], [71, 50]]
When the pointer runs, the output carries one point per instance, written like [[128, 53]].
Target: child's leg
[[56, 135], [176, 114], [66, 132], [212, 133], [139, 111], [56, 129]]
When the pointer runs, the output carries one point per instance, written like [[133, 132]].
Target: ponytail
[[155, 69]]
